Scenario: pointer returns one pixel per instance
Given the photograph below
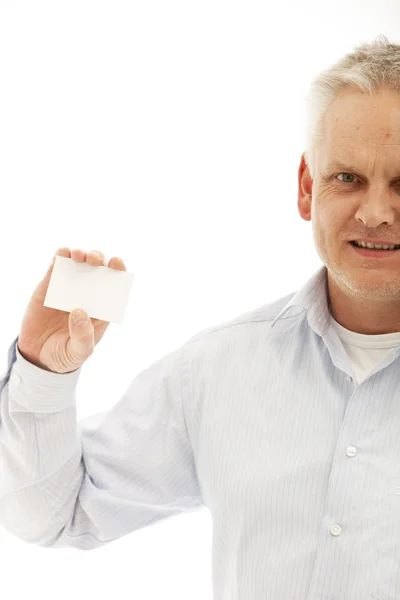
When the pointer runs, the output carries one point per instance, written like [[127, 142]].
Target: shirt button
[[349, 378], [336, 529], [16, 379], [351, 451]]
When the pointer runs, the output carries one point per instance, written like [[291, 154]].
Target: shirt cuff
[[36, 390]]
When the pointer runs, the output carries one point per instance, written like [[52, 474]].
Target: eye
[[348, 174]]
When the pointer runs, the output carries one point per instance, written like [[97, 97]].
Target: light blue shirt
[[260, 420]]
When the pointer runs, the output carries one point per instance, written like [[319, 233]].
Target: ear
[[305, 190]]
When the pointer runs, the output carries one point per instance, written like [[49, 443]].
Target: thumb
[[81, 332]]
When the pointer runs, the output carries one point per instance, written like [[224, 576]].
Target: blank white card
[[102, 292]]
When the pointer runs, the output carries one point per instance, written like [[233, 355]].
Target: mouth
[[371, 253]]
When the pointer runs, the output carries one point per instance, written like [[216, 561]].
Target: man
[[283, 422]]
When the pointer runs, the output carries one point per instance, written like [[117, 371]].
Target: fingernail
[[79, 318]]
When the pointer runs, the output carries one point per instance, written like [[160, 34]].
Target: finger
[[95, 258], [82, 343], [65, 251], [78, 255], [117, 263], [61, 252]]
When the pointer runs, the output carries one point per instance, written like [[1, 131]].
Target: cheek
[[330, 221], [323, 233]]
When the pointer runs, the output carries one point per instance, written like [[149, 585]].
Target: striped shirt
[[281, 422]]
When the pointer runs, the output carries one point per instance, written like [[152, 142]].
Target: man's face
[[360, 199]]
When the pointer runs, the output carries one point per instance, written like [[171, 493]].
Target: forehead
[[357, 126], [372, 119]]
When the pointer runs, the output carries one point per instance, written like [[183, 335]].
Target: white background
[[168, 133]]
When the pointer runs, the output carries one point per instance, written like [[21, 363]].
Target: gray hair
[[372, 67]]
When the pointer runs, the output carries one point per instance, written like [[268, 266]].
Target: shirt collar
[[312, 297]]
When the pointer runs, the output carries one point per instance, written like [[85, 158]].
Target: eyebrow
[[339, 165]]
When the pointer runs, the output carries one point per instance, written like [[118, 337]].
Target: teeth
[[377, 246]]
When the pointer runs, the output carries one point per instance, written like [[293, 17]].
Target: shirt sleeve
[[82, 485]]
